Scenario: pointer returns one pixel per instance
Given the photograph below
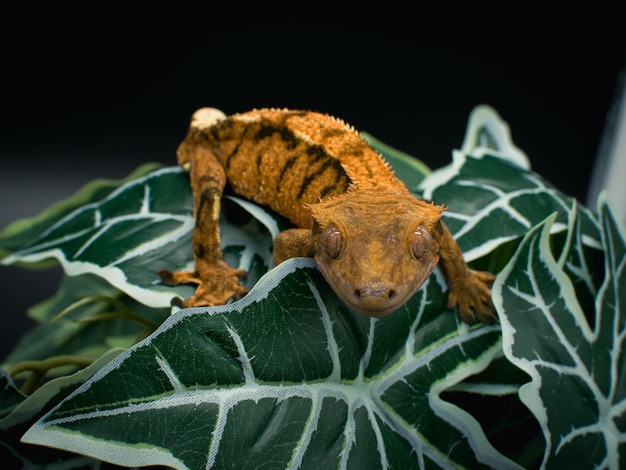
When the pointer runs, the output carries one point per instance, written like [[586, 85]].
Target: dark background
[[94, 95]]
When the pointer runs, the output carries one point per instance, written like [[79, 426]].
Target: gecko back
[[286, 159]]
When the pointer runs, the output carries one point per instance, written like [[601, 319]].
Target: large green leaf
[[286, 377], [138, 229], [578, 369]]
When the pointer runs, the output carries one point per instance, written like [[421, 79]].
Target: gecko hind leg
[[216, 281]]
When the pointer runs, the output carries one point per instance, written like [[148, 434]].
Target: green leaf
[[10, 396], [135, 231], [578, 387], [23, 231], [285, 377], [487, 132], [492, 196], [124, 238], [578, 261]]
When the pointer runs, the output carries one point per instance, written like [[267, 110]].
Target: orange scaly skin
[[374, 242]]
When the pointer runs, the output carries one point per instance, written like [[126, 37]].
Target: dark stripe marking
[[207, 196], [330, 132], [316, 153], [199, 250], [285, 134], [232, 154], [288, 164], [216, 130], [331, 188], [330, 163], [357, 151], [207, 179]]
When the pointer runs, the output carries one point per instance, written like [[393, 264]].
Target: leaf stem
[[39, 369]]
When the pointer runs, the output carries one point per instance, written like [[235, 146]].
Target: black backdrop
[[93, 95]]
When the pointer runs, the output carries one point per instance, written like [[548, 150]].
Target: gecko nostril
[[371, 293]]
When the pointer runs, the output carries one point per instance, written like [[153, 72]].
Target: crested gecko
[[374, 242]]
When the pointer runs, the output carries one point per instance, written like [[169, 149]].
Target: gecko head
[[376, 250]]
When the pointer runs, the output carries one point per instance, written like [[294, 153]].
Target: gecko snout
[[374, 300], [376, 292]]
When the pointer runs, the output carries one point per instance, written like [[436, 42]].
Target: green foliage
[[546, 333], [99, 318], [288, 376], [22, 232]]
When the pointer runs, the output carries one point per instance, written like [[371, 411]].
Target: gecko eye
[[331, 241], [422, 239]]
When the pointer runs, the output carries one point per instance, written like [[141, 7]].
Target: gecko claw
[[485, 314]]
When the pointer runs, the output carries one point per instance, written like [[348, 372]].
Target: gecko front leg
[[292, 243], [216, 281], [469, 289]]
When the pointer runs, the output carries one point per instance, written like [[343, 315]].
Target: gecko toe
[[167, 277], [177, 302], [487, 314]]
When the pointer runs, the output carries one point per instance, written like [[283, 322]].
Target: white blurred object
[[609, 171]]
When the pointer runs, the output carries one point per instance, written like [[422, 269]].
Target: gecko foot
[[216, 284], [472, 298]]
